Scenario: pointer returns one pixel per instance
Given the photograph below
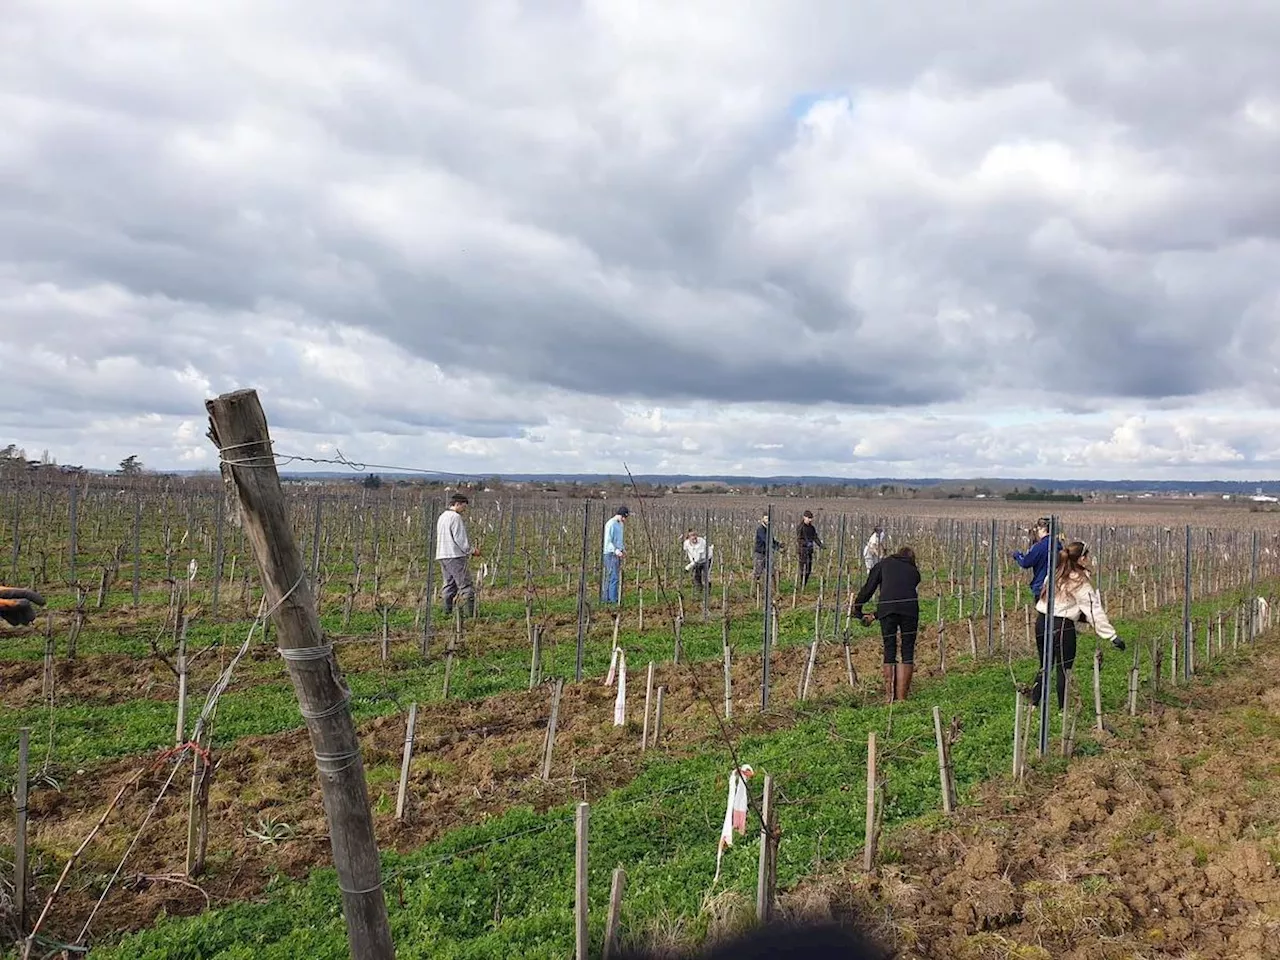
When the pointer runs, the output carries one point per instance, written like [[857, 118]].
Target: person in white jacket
[[699, 552], [874, 551], [1075, 599]]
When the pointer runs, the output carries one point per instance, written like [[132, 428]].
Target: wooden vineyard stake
[[1028, 716], [1134, 680], [648, 701], [617, 620], [549, 744], [973, 640], [1069, 714], [768, 851], [535, 667], [239, 431], [403, 790], [1017, 734], [944, 764], [49, 651], [181, 731], [448, 666], [20, 834], [679, 645], [808, 670], [942, 650], [612, 926], [198, 801], [580, 928], [869, 850], [1097, 690], [657, 716], [728, 684], [848, 665]]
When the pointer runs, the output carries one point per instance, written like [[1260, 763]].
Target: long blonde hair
[[1071, 571]]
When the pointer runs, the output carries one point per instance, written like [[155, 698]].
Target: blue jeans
[[612, 575]]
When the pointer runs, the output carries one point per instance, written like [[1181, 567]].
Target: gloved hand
[[1117, 643], [18, 606]]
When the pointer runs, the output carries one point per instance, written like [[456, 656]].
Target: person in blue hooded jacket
[[1036, 559]]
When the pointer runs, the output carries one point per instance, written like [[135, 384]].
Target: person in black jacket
[[760, 554], [897, 578], [806, 539]]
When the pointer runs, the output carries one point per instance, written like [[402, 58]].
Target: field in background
[[481, 863]]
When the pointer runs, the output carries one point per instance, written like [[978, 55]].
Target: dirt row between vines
[[1164, 845]]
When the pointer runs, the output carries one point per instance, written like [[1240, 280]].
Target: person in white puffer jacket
[[1075, 600]]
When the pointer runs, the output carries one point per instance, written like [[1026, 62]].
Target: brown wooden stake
[[239, 431], [869, 851], [657, 716], [580, 928], [1097, 689], [1017, 734], [403, 791], [848, 665], [612, 926], [808, 670], [550, 743], [535, 667], [944, 763]]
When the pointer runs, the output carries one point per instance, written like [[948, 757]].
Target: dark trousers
[[806, 565], [1064, 654], [893, 624], [701, 571]]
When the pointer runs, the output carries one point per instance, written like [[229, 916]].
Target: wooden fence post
[[612, 928], [551, 729], [944, 764], [869, 853], [20, 836], [580, 928], [403, 791], [648, 700], [764, 876], [238, 429]]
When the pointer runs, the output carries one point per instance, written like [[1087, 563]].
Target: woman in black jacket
[[897, 579]]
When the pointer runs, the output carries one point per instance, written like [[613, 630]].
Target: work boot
[[903, 679], [890, 670]]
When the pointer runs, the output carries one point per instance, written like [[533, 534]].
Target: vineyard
[[171, 804]]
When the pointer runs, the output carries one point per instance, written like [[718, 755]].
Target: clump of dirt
[[1166, 844]]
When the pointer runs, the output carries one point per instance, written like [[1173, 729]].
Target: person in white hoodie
[[1075, 599], [699, 552]]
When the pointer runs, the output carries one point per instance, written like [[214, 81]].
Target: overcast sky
[[862, 239]]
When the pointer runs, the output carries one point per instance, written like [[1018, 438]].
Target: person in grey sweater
[[453, 550]]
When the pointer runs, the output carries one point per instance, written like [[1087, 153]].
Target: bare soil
[[1165, 845]]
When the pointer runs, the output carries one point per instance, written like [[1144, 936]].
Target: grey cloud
[[559, 202]]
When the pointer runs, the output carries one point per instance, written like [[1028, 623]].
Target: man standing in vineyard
[[806, 539], [614, 553], [453, 549], [760, 552]]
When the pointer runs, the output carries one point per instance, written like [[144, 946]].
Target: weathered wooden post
[[238, 429]]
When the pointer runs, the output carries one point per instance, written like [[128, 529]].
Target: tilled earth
[[1164, 845]]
